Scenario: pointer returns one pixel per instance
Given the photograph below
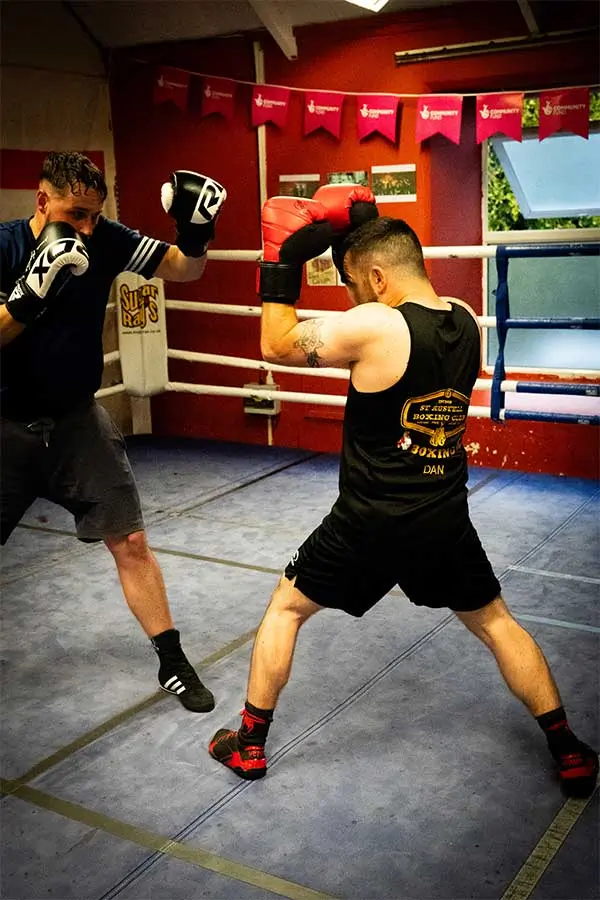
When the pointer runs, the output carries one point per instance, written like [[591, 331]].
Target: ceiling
[[125, 23]]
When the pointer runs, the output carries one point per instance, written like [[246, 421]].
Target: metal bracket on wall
[[499, 45]]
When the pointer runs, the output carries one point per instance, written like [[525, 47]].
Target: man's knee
[[129, 547], [288, 600], [490, 623]]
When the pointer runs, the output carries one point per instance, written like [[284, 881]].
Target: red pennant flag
[[323, 110], [499, 112], [439, 115], [218, 96], [377, 113], [172, 84], [270, 104], [567, 110]]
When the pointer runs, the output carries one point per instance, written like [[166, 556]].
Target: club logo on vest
[[441, 417]]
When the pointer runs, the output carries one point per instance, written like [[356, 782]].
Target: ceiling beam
[[529, 16], [278, 26]]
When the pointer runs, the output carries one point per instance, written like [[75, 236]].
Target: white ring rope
[[238, 362], [451, 252], [229, 309], [459, 252]]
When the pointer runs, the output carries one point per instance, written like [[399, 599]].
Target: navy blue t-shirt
[[57, 361]]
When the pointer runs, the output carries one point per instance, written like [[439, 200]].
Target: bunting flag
[[172, 85], [567, 110], [499, 112], [218, 96], [270, 104], [323, 109], [439, 115], [377, 113]]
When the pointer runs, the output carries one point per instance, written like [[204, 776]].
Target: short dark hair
[[69, 170], [392, 237]]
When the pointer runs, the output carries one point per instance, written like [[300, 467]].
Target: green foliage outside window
[[503, 210]]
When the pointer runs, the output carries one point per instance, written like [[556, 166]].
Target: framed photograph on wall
[[298, 185], [358, 177], [321, 272], [394, 183]]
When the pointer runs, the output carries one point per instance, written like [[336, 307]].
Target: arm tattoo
[[310, 341]]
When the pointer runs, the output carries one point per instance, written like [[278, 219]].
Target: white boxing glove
[[58, 255]]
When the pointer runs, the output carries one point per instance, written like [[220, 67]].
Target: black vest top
[[402, 449]]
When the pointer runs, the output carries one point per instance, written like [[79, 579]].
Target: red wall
[[356, 56]]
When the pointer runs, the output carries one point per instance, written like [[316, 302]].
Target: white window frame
[[535, 236]]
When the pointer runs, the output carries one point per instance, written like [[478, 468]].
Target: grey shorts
[[78, 461]]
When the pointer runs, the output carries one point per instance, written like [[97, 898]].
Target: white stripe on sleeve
[[141, 255]]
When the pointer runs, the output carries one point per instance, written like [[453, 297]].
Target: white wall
[[54, 96], [54, 90]]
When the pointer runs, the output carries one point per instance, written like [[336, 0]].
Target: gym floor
[[400, 767]]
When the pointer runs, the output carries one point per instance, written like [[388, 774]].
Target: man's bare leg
[[270, 667], [527, 674], [520, 660], [144, 589]]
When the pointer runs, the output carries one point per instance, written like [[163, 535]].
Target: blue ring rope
[[504, 321]]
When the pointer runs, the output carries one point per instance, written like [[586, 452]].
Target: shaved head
[[387, 242]]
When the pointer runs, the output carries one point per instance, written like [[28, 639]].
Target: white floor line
[[584, 578], [575, 626]]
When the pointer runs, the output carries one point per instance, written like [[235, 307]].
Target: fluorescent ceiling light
[[373, 5]]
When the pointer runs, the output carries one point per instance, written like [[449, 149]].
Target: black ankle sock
[[166, 641], [255, 726], [561, 739]]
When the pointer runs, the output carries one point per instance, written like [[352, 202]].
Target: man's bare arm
[[338, 341], [175, 266]]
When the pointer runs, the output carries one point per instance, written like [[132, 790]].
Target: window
[[546, 191]]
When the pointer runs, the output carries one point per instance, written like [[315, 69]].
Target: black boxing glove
[[348, 207], [293, 232], [59, 254], [194, 201]]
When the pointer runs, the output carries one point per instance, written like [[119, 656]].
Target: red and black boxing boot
[[577, 763], [243, 751]]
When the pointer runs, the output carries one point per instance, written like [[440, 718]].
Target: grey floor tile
[[73, 655], [44, 855], [28, 551], [170, 879], [569, 601], [576, 549], [575, 870], [164, 746], [436, 764]]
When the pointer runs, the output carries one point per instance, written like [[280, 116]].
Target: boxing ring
[[137, 380], [399, 764]]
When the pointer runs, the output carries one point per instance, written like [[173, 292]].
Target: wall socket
[[261, 406]]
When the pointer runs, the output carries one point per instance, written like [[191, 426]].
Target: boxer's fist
[[293, 231], [194, 201], [59, 254], [348, 207]]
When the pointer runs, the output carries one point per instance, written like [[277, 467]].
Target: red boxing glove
[[293, 231], [348, 207]]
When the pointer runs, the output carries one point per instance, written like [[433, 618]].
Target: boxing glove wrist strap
[[191, 242], [279, 282], [23, 305]]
